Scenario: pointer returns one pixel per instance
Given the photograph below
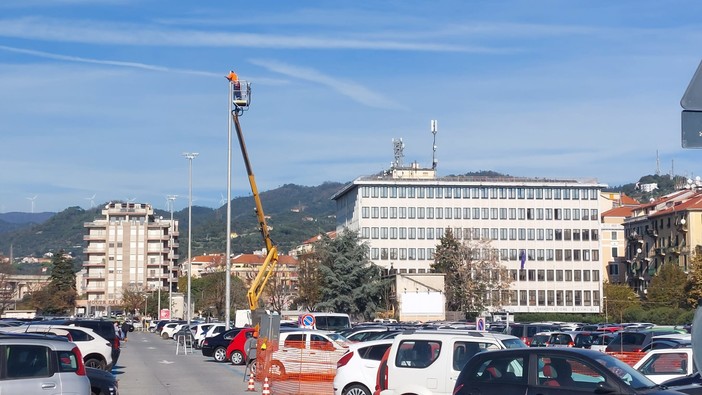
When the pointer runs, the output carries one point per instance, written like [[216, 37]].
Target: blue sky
[[101, 97]]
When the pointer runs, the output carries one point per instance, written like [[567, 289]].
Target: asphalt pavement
[[149, 365]]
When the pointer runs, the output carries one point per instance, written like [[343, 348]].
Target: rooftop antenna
[[91, 200], [434, 130], [32, 199], [658, 164], [398, 146]]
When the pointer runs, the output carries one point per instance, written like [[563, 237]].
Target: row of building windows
[[503, 254], [431, 192], [402, 233], [486, 213], [554, 275], [545, 297]]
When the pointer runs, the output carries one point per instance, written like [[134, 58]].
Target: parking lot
[[149, 365]]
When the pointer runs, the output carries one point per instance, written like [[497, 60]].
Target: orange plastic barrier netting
[[296, 368], [630, 358]]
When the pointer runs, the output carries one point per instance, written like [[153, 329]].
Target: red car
[[236, 352]]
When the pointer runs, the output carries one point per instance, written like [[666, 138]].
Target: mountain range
[[295, 213]]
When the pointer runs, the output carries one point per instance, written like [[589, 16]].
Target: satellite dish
[[651, 200]]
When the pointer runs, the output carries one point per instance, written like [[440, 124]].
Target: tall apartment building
[[128, 248], [663, 231], [553, 224]]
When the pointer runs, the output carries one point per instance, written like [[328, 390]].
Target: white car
[[357, 369], [170, 329], [665, 364], [307, 352], [199, 332], [214, 330], [96, 351]]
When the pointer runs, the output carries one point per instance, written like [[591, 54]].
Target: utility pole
[[171, 199]]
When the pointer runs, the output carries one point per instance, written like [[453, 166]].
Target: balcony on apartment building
[[94, 264], [94, 237], [95, 250]]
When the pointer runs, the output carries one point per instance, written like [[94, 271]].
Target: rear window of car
[[374, 353], [628, 338], [499, 370], [23, 361], [516, 330], [513, 343], [417, 353], [560, 338]]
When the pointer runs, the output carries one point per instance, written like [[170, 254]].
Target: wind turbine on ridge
[[32, 199], [92, 200]]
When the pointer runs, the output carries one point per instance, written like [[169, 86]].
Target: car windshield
[[629, 375], [338, 338]]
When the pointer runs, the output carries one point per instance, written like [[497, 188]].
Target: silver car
[[38, 364]]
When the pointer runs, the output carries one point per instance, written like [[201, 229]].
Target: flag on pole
[[522, 258]]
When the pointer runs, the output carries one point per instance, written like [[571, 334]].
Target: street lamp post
[[227, 283], [190, 156], [171, 198], [606, 314]]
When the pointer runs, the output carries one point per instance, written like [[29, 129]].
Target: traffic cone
[[266, 388], [251, 386]]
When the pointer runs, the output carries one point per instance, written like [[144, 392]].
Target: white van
[[331, 322], [429, 362]]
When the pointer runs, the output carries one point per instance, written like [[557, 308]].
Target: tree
[[474, 281], [448, 259], [349, 282], [667, 288], [617, 299], [59, 296], [693, 286], [209, 293], [308, 282], [133, 298]]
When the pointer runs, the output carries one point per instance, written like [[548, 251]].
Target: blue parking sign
[[480, 323]]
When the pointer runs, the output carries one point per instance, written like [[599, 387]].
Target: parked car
[[600, 342], [102, 382], [665, 364], [366, 333], [551, 371], [236, 350], [356, 369], [428, 362], [657, 344], [306, 351], [41, 364], [577, 339], [635, 341], [540, 339], [214, 330], [216, 346], [169, 329], [96, 351], [104, 328], [527, 331], [200, 332]]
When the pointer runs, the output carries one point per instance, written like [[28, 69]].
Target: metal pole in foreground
[[190, 156], [227, 287], [171, 198]]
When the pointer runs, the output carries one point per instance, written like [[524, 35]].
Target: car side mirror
[[604, 387]]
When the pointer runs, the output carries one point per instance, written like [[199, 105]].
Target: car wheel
[[277, 370], [356, 389], [164, 335], [237, 358], [94, 363], [252, 368], [220, 354]]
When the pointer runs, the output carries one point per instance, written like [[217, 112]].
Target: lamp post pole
[[190, 156], [228, 263], [171, 198], [606, 315]]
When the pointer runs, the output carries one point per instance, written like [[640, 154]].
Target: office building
[[546, 232]]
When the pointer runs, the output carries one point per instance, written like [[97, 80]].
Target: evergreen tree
[[448, 259], [59, 296], [349, 282], [667, 288]]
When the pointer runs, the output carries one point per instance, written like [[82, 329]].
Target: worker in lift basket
[[234, 79]]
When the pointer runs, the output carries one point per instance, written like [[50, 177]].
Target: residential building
[[616, 207], [664, 231], [546, 232], [128, 248]]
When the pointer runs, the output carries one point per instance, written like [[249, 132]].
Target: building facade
[[664, 231], [128, 248], [546, 232]]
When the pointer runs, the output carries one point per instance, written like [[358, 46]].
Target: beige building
[[546, 232], [664, 231], [128, 248]]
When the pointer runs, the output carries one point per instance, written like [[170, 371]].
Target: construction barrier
[[296, 368], [630, 358]]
